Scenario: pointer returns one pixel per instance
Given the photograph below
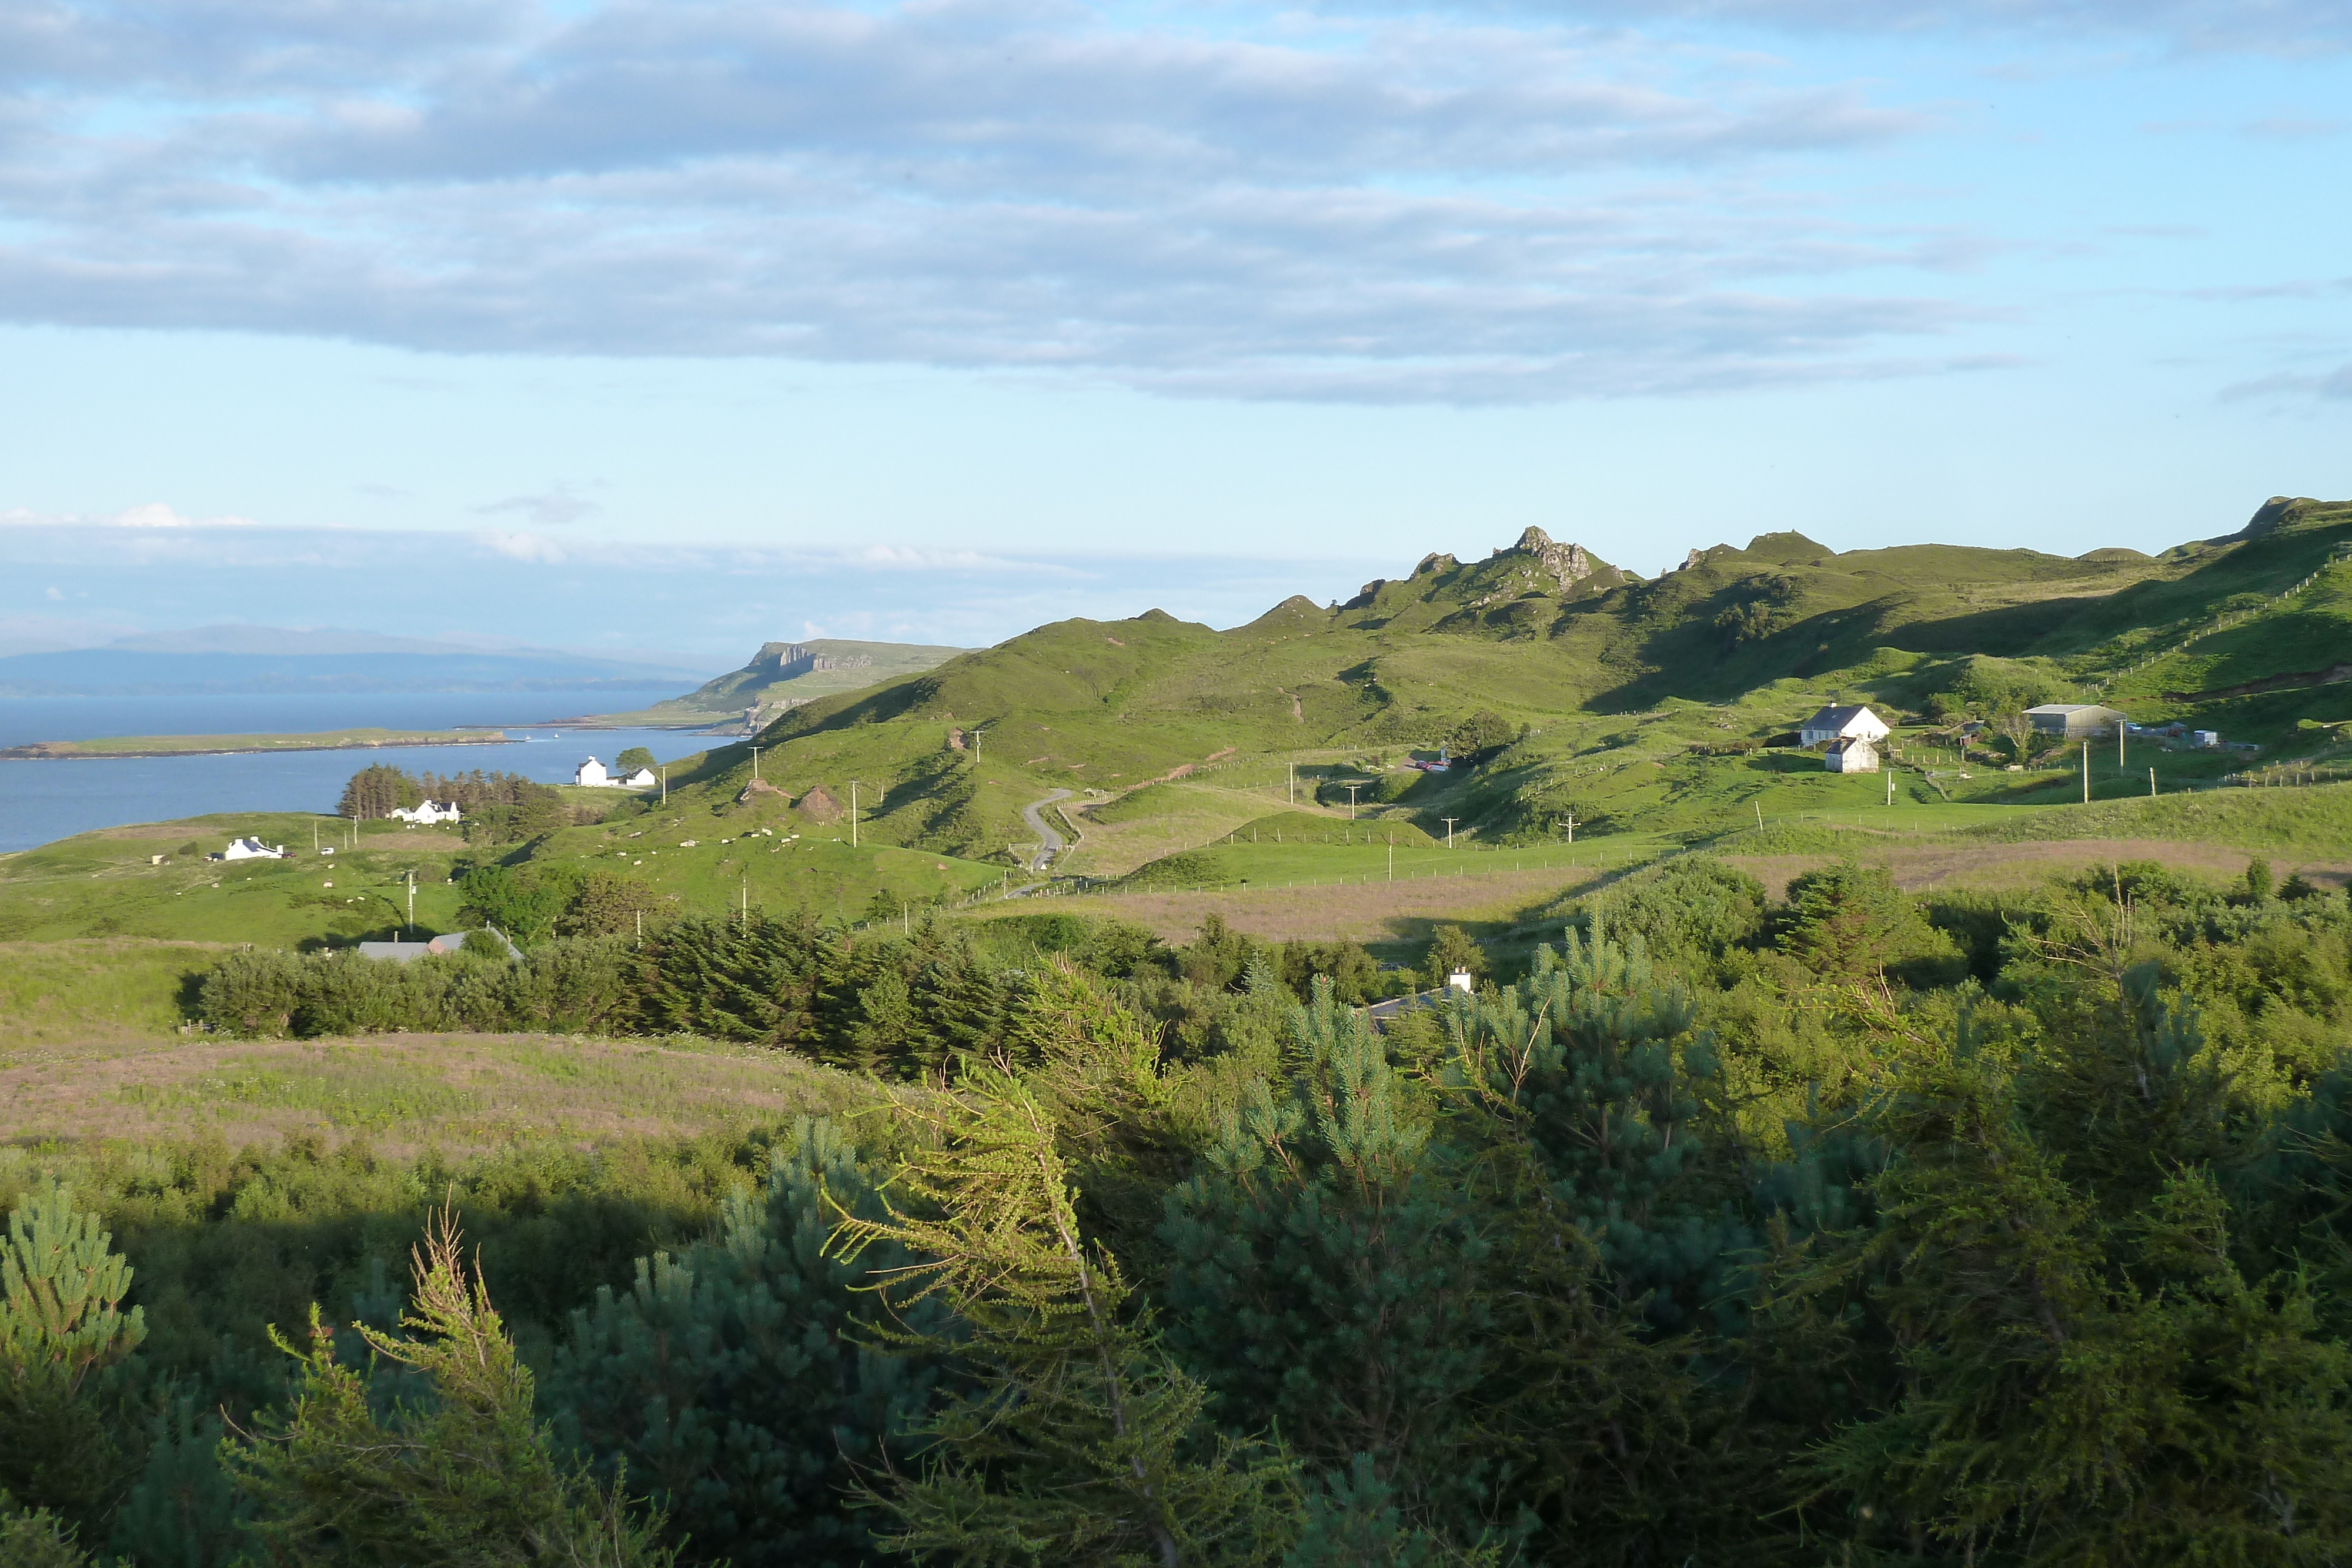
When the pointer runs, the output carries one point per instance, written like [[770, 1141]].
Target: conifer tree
[[2074, 1390], [1325, 1269], [465, 1477], [1595, 1063], [1081, 1441], [61, 1320], [733, 1384]]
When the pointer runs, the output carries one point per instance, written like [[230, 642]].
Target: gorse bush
[[2002, 1230]]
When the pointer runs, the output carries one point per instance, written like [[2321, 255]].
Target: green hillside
[[1605, 672]]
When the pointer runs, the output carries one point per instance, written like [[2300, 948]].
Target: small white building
[[1852, 754], [593, 775], [250, 849], [427, 813], [1843, 724]]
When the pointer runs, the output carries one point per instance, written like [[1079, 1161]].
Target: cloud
[[2295, 128], [553, 508], [2289, 27], [1455, 207], [659, 593], [52, 595], [533, 548], [151, 515], [2329, 386]]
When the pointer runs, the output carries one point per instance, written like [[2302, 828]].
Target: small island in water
[[219, 745]]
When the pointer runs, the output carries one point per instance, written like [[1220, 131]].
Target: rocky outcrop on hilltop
[[1569, 564]]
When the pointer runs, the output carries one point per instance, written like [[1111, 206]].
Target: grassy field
[[205, 744], [407, 1092], [94, 991], [103, 885]]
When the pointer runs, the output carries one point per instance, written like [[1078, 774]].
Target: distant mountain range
[[208, 661]]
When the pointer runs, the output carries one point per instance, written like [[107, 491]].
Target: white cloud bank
[[1431, 207]]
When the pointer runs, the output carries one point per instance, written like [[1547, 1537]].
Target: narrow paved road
[[1049, 842]]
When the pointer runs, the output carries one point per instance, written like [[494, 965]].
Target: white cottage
[[1851, 755], [427, 813], [1843, 724], [594, 775], [252, 849]]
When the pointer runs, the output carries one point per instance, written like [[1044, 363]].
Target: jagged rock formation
[[1568, 563]]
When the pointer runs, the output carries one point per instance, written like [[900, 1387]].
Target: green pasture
[[94, 990], [103, 885]]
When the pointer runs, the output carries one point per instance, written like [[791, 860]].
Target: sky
[[693, 324]]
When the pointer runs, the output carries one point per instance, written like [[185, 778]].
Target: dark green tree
[[1451, 952], [61, 1322], [376, 791], [1324, 1272], [736, 1383]]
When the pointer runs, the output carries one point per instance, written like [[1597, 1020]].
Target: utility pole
[[1290, 791], [1890, 785], [1351, 800], [852, 813], [2151, 783], [665, 783], [755, 762], [1760, 814], [1572, 827], [412, 904], [2087, 773], [1449, 830]]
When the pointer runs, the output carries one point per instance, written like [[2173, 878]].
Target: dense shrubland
[[1849, 1227]]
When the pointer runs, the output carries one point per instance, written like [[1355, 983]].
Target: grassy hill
[[1605, 671]]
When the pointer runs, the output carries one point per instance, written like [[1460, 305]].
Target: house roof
[[2070, 707], [1835, 718], [1847, 743]]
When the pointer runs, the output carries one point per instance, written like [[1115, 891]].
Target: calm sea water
[[45, 801]]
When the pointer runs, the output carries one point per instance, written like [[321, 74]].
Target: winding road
[[1049, 842]]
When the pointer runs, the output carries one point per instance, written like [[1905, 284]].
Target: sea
[[46, 800]]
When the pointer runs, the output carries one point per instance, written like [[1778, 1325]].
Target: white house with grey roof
[[1843, 724]]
